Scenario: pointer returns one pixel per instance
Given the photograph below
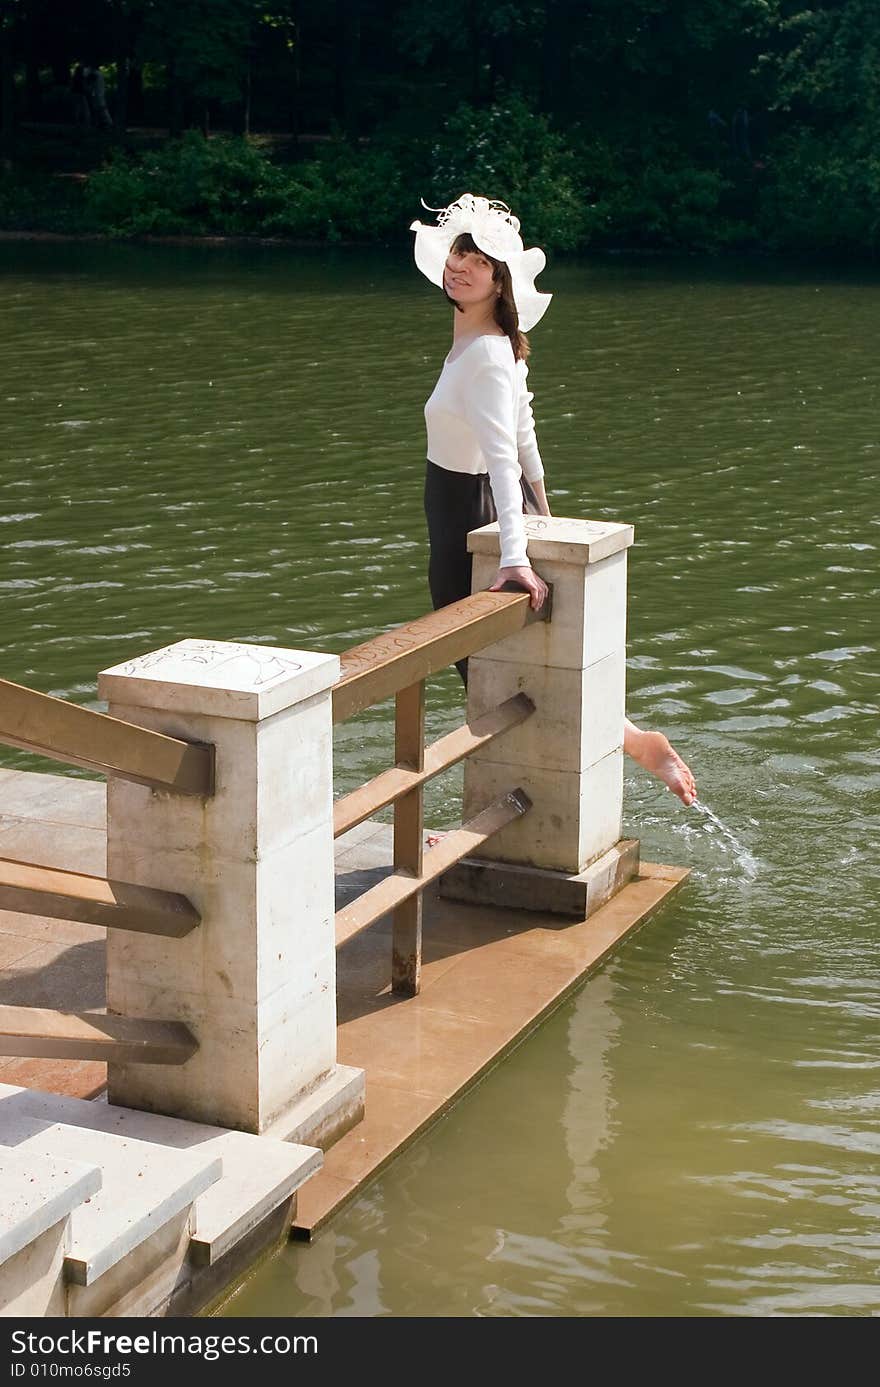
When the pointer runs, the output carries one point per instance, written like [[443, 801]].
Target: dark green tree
[[824, 69]]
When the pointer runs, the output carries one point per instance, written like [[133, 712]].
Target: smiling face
[[468, 275]]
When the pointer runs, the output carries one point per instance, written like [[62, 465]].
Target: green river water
[[228, 443]]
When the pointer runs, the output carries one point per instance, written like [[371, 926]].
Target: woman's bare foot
[[657, 754]]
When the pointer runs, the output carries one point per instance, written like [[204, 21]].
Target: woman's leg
[[657, 754], [455, 503]]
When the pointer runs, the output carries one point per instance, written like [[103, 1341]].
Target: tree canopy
[[664, 121]]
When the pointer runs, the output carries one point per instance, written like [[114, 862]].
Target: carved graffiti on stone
[[244, 666]]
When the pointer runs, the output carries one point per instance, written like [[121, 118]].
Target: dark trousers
[[455, 502]]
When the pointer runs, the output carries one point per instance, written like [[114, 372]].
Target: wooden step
[[34, 890], [93, 1035]]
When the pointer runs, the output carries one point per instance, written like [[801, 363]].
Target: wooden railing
[[65, 732], [398, 663]]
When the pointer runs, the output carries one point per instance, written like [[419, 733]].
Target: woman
[[483, 456]]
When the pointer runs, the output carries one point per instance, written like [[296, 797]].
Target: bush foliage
[[229, 186], [643, 190], [569, 195], [691, 124]]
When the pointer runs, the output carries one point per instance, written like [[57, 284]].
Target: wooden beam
[[452, 847], [88, 1035], [409, 829], [78, 736], [385, 788], [406, 654], [33, 890]]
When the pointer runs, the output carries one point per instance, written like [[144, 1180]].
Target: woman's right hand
[[524, 577]]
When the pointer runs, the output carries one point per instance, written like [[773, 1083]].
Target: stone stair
[[39, 1196], [140, 1210]]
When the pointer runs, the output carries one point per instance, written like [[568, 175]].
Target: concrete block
[[295, 908], [567, 756], [39, 1192], [142, 1186], [253, 1058], [141, 1283], [326, 1112], [224, 679], [512, 887], [258, 1175], [562, 538], [575, 816], [217, 959], [219, 1084], [32, 1279], [589, 615], [578, 715], [256, 980], [227, 956], [273, 784]]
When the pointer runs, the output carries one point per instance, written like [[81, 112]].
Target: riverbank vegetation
[[692, 124]]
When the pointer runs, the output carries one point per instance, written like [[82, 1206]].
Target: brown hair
[[505, 312]]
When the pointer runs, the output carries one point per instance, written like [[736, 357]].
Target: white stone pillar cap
[[560, 538], [220, 678]]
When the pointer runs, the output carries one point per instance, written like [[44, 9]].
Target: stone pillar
[[256, 980], [568, 755]]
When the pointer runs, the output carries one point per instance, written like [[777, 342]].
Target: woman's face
[[467, 277]]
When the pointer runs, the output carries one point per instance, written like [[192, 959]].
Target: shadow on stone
[[74, 980], [350, 885]]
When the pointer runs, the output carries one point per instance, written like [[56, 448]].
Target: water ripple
[[229, 443]]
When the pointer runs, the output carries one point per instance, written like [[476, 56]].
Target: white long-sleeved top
[[479, 419]]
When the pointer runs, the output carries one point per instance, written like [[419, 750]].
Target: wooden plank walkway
[[489, 977], [59, 821]]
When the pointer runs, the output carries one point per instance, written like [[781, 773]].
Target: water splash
[[729, 841]]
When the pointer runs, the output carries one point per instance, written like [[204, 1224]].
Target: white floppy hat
[[496, 231]]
